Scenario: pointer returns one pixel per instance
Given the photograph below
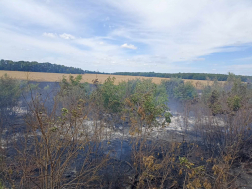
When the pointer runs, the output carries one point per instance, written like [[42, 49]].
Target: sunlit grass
[[56, 77]]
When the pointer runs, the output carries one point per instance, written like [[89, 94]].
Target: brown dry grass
[[57, 77]]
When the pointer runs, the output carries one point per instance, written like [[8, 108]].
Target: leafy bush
[[171, 84], [112, 95], [185, 91], [9, 93], [68, 86]]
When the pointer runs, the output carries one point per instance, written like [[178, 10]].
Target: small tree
[[9, 93], [171, 84], [185, 91]]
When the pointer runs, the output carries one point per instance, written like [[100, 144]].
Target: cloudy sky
[[168, 36]]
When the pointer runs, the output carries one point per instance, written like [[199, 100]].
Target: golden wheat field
[[57, 77]]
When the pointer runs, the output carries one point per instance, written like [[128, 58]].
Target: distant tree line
[[196, 76], [40, 67], [55, 68]]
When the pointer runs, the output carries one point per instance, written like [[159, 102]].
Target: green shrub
[[185, 91]]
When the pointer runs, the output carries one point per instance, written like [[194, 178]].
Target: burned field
[[135, 134]]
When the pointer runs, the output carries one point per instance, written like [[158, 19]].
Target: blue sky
[[168, 36]]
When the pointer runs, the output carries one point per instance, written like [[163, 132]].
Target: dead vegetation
[[121, 136]]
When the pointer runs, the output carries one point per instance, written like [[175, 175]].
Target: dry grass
[[56, 77]]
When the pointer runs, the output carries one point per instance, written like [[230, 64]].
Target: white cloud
[[30, 12], [129, 46], [67, 36], [198, 59], [51, 35], [61, 51], [185, 30]]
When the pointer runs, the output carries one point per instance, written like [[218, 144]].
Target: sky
[[166, 36]]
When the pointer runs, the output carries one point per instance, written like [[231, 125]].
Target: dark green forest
[[40, 67], [196, 76]]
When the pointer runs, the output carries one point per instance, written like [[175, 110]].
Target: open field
[[57, 77]]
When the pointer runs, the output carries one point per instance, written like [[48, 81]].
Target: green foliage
[[146, 93], [206, 93], [214, 97], [53, 129], [140, 98], [149, 101], [38, 67], [195, 76], [185, 162], [227, 99], [1, 186], [112, 95], [208, 89], [47, 87], [75, 81], [168, 116], [171, 84], [234, 102], [231, 77], [180, 90], [72, 84], [238, 95], [64, 111], [9, 93], [71, 93], [185, 91], [214, 103]]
